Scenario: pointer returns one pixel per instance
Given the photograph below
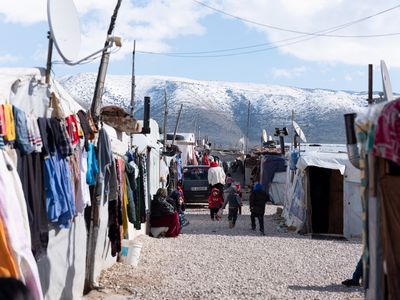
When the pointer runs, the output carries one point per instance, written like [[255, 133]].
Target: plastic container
[[130, 252]]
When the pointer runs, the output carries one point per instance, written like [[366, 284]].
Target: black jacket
[[258, 200], [160, 207]]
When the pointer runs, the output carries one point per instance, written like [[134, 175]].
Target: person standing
[[234, 202], [258, 200], [216, 176], [214, 203]]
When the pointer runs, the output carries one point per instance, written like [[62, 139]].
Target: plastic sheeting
[[298, 197]]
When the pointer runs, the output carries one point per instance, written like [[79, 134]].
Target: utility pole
[[165, 120], [370, 87], [176, 125], [101, 75], [248, 125], [49, 57], [95, 110], [133, 87]]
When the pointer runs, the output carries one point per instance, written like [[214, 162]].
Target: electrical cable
[[303, 32], [320, 33]]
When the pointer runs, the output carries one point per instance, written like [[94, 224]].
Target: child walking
[[234, 202], [214, 203]]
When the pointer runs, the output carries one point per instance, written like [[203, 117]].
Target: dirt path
[[210, 261]]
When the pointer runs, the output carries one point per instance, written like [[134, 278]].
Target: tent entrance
[[326, 193]]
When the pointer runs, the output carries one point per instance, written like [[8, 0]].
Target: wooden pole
[[370, 87], [101, 75], [176, 125], [133, 86], [165, 120]]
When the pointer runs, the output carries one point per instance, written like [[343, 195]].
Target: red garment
[[214, 164], [238, 190], [170, 221], [206, 162], [72, 129], [180, 190], [387, 135], [215, 199], [3, 130]]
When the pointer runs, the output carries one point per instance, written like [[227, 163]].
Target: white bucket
[[130, 252]]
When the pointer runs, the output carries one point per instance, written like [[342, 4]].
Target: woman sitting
[[164, 218]]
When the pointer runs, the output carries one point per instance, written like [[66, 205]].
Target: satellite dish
[[64, 28], [264, 136], [387, 86], [299, 132]]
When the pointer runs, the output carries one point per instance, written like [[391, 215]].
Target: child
[[228, 180], [214, 203], [234, 203], [177, 202], [239, 191]]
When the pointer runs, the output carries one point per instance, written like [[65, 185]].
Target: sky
[[284, 42]]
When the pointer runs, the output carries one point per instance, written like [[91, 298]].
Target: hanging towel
[[10, 126]]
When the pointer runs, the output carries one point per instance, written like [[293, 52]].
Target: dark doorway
[[326, 192]]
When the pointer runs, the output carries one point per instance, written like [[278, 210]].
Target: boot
[[231, 224]]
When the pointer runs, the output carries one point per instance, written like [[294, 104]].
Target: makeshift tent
[[273, 176], [72, 256], [324, 195]]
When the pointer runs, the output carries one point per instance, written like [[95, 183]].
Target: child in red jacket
[[215, 201]]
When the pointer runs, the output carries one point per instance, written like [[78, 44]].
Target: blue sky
[[186, 26]]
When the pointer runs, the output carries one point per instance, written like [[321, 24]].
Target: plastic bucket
[[130, 252]]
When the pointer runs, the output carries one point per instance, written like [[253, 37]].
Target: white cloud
[[315, 15], [348, 77], [288, 73], [154, 23], [151, 23], [23, 12], [6, 58]]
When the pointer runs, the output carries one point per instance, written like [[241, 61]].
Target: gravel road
[[210, 261]]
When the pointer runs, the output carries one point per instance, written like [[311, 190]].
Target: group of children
[[220, 198]]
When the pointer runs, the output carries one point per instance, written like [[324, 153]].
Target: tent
[[323, 195], [73, 256], [273, 176]]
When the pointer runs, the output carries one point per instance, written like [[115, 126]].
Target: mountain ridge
[[219, 109]]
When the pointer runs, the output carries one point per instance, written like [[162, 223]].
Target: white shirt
[[216, 175]]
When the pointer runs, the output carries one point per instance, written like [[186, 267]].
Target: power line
[[303, 32], [297, 39]]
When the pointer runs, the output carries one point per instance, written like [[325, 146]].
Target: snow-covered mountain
[[220, 109]]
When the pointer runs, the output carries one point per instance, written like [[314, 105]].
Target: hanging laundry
[[105, 158], [122, 195], [72, 129], [30, 171], [8, 263], [9, 120], [57, 180], [387, 134], [93, 168], [115, 213], [21, 131], [3, 130], [13, 212], [83, 198], [87, 131], [34, 133], [131, 188]]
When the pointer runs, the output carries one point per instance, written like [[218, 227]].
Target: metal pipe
[[49, 56], [352, 149], [146, 115]]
